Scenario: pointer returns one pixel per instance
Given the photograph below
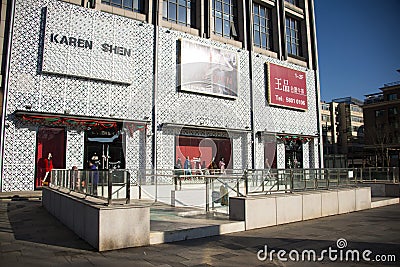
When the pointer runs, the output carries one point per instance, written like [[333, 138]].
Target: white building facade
[[140, 94]]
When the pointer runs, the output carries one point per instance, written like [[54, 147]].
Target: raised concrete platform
[[171, 224], [141, 223], [103, 227], [267, 210]]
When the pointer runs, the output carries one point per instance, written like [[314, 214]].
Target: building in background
[[382, 126], [139, 84], [329, 135], [343, 132]]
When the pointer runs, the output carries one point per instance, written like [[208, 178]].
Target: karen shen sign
[[287, 87], [72, 46]]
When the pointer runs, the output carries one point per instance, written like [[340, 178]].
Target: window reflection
[[293, 36], [132, 5], [262, 26], [178, 12], [224, 12]]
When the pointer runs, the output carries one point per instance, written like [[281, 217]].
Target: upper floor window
[[325, 106], [326, 117], [178, 11], [393, 111], [132, 5], [293, 41], [224, 12], [392, 97], [262, 27], [356, 108], [357, 119], [379, 113], [293, 2]]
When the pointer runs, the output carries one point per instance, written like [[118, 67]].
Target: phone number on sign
[[295, 101]]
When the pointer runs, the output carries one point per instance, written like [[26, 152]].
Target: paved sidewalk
[[29, 236]]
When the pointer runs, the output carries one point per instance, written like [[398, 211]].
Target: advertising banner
[[287, 87], [208, 70]]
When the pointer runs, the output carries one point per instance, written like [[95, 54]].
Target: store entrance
[[293, 154], [105, 148], [50, 153], [270, 154]]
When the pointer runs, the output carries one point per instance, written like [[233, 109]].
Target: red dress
[[48, 165]]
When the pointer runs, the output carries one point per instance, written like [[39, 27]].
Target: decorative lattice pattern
[[306, 156], [60, 93], [75, 147], [280, 151], [19, 160], [313, 155]]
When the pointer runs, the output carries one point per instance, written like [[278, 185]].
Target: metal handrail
[[239, 182], [88, 182]]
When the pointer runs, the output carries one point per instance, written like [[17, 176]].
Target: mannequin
[[222, 165], [48, 165]]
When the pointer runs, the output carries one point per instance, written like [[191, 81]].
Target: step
[[159, 237]]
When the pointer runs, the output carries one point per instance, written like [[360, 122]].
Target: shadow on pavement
[[31, 222]]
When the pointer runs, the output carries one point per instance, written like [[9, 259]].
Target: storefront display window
[[293, 154], [105, 147], [201, 151]]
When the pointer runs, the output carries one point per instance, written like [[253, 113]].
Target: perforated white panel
[[57, 93], [54, 93]]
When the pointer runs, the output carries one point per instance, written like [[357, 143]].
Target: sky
[[358, 46]]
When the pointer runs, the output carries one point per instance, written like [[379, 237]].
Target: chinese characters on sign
[[287, 87]]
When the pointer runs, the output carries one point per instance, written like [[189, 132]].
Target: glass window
[[195, 154], [393, 111], [224, 13], [392, 97], [325, 106], [293, 154], [379, 113], [356, 119], [326, 118], [178, 11], [262, 27], [128, 4], [293, 37], [356, 108], [293, 2], [132, 5]]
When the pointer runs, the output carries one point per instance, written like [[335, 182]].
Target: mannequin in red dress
[[48, 165]]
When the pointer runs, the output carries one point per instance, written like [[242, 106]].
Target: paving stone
[[34, 238]]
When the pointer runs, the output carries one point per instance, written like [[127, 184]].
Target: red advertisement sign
[[287, 87]]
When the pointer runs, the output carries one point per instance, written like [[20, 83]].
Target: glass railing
[[377, 174], [109, 185], [212, 188]]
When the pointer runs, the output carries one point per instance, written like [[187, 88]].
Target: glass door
[[105, 148]]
